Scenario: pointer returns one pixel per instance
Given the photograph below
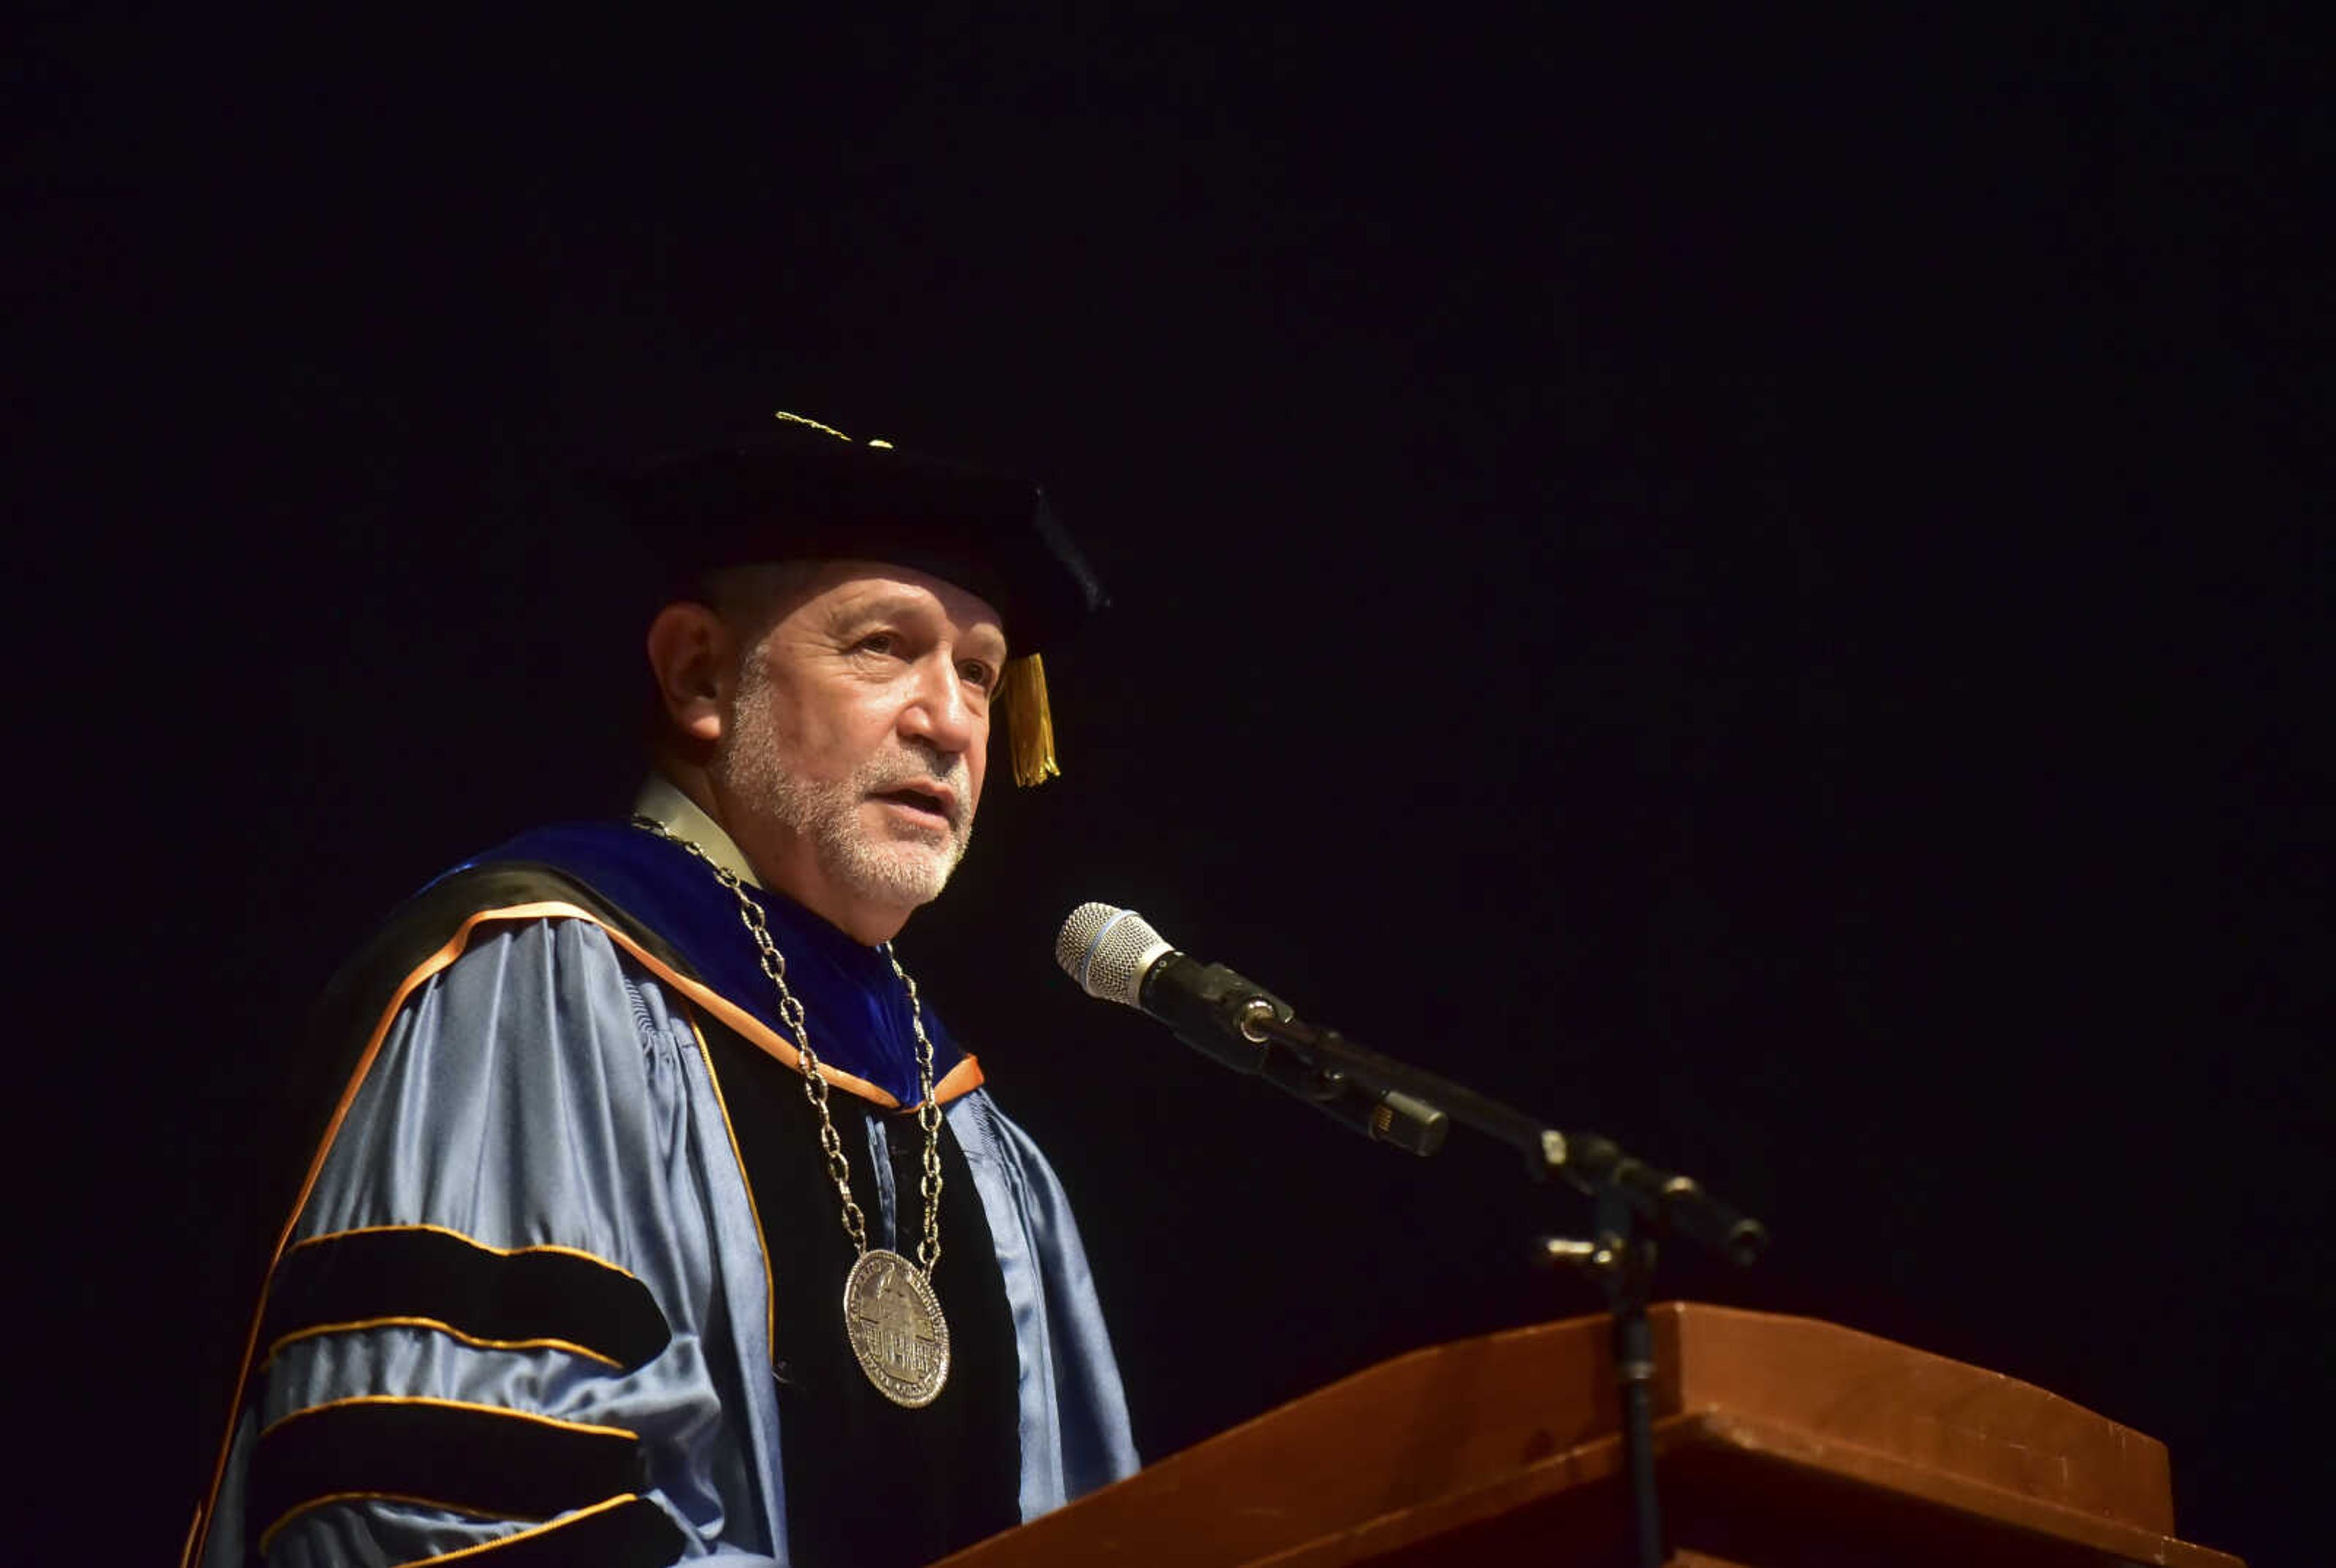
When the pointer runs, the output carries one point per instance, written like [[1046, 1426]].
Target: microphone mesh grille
[[1107, 952]]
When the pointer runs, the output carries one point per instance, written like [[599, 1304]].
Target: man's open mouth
[[932, 803]]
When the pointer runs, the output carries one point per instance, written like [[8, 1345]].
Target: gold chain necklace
[[890, 1314]]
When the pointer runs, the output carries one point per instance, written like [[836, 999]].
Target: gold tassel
[[1030, 726]]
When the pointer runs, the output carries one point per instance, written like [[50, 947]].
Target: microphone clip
[[1237, 1022], [1214, 1010]]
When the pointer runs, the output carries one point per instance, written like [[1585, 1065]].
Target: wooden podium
[[1779, 1441]]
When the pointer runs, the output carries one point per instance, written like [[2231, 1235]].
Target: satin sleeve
[[502, 1313], [1075, 1428]]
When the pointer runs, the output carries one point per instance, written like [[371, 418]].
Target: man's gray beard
[[910, 870]]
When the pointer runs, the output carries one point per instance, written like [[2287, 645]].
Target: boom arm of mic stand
[[1588, 1161]]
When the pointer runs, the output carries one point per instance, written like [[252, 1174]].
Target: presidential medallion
[[895, 1324]]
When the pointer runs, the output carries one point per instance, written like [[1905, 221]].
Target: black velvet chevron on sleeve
[[420, 1272], [470, 1458]]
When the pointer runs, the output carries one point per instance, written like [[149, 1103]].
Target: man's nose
[[938, 712]]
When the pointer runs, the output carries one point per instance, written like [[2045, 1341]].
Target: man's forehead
[[853, 588]]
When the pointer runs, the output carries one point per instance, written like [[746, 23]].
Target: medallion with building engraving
[[896, 1327]]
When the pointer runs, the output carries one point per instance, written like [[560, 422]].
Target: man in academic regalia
[[659, 1215]]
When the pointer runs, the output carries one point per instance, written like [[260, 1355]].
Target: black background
[[1758, 591]]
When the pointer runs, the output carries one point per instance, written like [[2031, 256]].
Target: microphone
[[1116, 956]]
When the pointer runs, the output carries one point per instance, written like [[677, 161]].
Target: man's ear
[[690, 653]]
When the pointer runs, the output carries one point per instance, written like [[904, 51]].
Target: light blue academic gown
[[545, 1097]]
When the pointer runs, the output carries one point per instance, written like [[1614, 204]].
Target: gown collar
[[662, 801], [855, 1008]]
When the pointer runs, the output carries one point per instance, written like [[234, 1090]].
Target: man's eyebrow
[[985, 641]]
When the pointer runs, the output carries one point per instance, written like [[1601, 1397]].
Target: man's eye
[[977, 674], [877, 642]]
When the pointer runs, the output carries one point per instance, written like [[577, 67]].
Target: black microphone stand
[[1622, 1262], [1634, 1202]]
